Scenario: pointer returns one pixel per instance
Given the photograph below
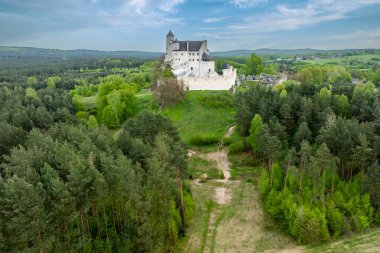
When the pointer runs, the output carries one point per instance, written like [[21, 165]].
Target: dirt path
[[230, 218], [230, 131]]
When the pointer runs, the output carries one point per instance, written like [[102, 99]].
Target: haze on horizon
[[227, 24]]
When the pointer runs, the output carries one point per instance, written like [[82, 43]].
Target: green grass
[[365, 242], [189, 116], [192, 119], [205, 224], [243, 167], [145, 101], [199, 166]]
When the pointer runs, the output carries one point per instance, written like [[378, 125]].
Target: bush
[[169, 92], [227, 141], [277, 176], [311, 225], [82, 115], [237, 147], [360, 222], [377, 217], [203, 140], [335, 221], [264, 186], [273, 205]]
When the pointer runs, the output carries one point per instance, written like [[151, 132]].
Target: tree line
[[318, 140]]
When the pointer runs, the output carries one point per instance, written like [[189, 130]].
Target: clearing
[[229, 217], [191, 118]]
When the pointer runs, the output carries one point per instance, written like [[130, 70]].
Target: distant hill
[[30, 52], [268, 51]]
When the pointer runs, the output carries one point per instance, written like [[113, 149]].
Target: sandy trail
[[230, 131], [221, 159], [236, 223]]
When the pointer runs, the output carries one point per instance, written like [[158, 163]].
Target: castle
[[193, 66]]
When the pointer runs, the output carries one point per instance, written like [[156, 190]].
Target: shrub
[[82, 115], [203, 140], [377, 217], [189, 206], [273, 205], [237, 147], [289, 210], [169, 92], [365, 204], [264, 186], [227, 141], [277, 176], [311, 225], [335, 221], [360, 222]]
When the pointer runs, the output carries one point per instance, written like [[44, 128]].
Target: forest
[[69, 187], [94, 156], [320, 150]]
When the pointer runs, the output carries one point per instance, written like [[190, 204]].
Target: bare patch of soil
[[222, 196]]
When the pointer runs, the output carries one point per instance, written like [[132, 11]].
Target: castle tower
[[169, 46]]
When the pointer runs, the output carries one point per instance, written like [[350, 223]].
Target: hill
[[304, 51], [30, 52], [38, 53]]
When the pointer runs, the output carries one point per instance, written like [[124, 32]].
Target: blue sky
[[227, 24]]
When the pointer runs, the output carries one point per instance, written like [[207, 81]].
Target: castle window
[[197, 53], [191, 68], [182, 54]]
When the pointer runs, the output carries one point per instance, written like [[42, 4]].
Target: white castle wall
[[224, 82], [206, 67]]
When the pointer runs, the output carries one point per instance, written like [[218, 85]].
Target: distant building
[[191, 63]]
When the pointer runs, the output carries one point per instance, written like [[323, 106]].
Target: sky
[[142, 25]]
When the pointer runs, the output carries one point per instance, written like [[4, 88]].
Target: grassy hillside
[[192, 118]]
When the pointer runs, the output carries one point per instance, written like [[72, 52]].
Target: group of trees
[[167, 89], [319, 75], [116, 100], [66, 187], [254, 65], [320, 143]]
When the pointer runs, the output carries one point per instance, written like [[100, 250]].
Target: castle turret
[[169, 46]]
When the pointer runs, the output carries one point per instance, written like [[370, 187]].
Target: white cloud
[[246, 3], [292, 17], [361, 35], [145, 12], [213, 20], [169, 6]]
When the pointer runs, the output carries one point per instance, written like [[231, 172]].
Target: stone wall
[[225, 82]]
